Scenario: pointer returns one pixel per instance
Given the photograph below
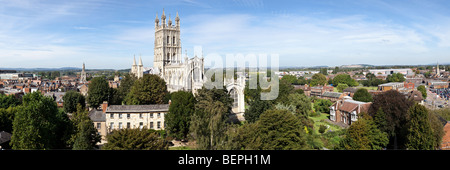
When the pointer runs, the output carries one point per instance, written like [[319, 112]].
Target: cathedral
[[186, 74]]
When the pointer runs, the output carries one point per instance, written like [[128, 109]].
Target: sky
[[106, 34]]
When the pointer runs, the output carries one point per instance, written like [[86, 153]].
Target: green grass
[[370, 88], [180, 148], [320, 120]]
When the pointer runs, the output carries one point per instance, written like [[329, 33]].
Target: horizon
[[107, 34]]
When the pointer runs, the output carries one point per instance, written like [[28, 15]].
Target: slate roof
[[97, 115], [351, 89], [332, 94], [4, 137], [137, 108]]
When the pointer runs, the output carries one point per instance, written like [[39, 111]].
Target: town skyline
[[106, 35]]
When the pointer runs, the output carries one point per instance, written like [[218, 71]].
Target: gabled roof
[[97, 115], [332, 94], [4, 137], [137, 108]]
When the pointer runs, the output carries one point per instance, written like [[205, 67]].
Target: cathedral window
[[173, 40], [168, 38], [234, 96]]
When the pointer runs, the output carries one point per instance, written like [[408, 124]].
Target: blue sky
[[107, 33]]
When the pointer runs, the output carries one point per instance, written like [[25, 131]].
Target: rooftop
[[137, 108]]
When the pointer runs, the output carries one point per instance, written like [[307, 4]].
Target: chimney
[[104, 106]]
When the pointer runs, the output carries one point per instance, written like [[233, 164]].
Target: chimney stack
[[104, 106]]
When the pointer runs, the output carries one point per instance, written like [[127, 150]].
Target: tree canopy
[[362, 95], [181, 109], [344, 79], [98, 91], [134, 139], [318, 79], [71, 100], [150, 89]]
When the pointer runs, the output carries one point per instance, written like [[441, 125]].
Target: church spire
[[140, 60], [177, 20], [134, 61]]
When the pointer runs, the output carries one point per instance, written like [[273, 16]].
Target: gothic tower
[[438, 73], [83, 75], [167, 48]]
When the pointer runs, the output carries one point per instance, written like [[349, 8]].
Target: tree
[[341, 87], [344, 79], [301, 102], [37, 124], [8, 101], [125, 86], [7, 118], [420, 134], [134, 139], [275, 130], [322, 105], [208, 122], [318, 79], [323, 71], [85, 135], [98, 92], [71, 100], [290, 79], [257, 107], [422, 90], [364, 135], [180, 112], [395, 109], [150, 89], [396, 77], [362, 95]]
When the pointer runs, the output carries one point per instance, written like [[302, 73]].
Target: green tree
[[362, 95], [395, 107], [344, 79], [420, 134], [318, 79], [322, 105], [275, 130], [125, 86], [396, 77], [323, 71], [85, 135], [134, 139], [37, 123], [257, 107], [341, 87], [7, 118], [208, 122], [301, 103], [8, 100], [181, 109], [71, 100], [364, 135], [422, 90], [98, 91], [290, 79], [150, 89]]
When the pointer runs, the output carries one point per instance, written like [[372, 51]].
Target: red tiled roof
[[445, 145]]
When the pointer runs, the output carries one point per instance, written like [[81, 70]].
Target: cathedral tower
[[83, 75], [167, 48]]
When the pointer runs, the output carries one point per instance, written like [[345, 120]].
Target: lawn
[[320, 120]]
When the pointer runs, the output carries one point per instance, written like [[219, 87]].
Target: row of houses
[[115, 117]]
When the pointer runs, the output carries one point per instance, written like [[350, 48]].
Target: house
[[319, 90], [332, 96], [445, 144], [415, 95], [347, 110], [350, 91], [135, 116], [99, 119]]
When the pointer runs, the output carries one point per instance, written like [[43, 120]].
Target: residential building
[[391, 86], [319, 90], [99, 119], [445, 144], [135, 116], [332, 96], [347, 110]]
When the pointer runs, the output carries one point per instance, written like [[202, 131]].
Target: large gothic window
[[235, 96]]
